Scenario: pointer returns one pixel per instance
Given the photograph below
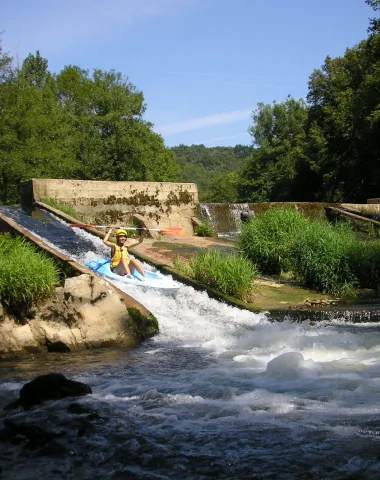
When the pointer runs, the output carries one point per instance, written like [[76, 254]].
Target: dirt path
[[168, 248]]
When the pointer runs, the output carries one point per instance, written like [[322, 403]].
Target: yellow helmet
[[120, 231]]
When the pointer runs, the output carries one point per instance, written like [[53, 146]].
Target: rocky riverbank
[[85, 313]]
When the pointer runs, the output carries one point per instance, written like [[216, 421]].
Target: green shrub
[[267, 238], [204, 229], [365, 262], [27, 276], [320, 257], [232, 275]]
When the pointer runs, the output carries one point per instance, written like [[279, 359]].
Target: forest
[[90, 125]]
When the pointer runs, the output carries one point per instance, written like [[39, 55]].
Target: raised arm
[[106, 238], [140, 240]]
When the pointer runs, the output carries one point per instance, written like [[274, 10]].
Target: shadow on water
[[45, 225]]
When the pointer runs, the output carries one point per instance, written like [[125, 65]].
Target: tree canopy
[[328, 147], [74, 124]]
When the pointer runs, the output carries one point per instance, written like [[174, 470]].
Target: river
[[219, 393]]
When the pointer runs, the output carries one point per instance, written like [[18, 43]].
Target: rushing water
[[220, 393]]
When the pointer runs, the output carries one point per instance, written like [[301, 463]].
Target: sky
[[202, 65]]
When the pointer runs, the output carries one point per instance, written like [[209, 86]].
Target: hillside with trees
[[213, 169]]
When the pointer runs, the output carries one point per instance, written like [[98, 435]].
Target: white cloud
[[204, 122]]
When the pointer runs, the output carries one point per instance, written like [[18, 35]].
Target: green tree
[[274, 171], [344, 117]]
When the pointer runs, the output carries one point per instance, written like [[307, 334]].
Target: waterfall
[[224, 217]]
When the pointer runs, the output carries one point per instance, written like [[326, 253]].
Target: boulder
[[85, 313], [51, 386]]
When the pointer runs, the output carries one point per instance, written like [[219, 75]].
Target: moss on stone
[[145, 326]]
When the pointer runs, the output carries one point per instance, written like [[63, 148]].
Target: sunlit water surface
[[219, 393]]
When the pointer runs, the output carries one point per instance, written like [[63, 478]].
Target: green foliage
[[320, 257], [65, 208], [323, 256], [365, 263], [26, 275], [74, 125], [204, 229], [266, 240], [327, 149], [213, 169], [229, 274], [275, 169]]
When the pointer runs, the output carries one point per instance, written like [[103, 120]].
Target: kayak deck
[[155, 280]]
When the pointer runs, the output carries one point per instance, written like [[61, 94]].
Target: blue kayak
[[151, 280]]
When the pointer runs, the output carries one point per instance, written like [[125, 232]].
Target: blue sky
[[203, 65]]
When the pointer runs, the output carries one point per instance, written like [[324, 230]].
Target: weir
[[218, 393], [157, 204], [225, 218]]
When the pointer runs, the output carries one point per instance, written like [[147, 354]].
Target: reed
[[232, 275], [266, 240], [27, 276], [365, 262], [321, 257]]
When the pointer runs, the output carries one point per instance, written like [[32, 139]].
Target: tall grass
[[324, 256], [321, 257], [365, 262], [232, 275], [266, 240], [27, 276]]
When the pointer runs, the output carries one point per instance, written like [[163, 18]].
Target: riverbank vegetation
[[27, 276], [323, 256], [231, 275]]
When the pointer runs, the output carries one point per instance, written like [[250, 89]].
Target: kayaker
[[121, 260]]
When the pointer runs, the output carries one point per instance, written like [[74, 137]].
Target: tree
[[344, 98], [279, 135]]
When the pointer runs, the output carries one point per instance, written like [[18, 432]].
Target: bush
[[27, 276], [321, 257], [204, 229], [230, 274], [365, 262], [267, 238]]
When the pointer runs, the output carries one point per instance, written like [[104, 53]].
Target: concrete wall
[[160, 203]]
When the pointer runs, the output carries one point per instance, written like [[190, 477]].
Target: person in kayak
[[121, 261]]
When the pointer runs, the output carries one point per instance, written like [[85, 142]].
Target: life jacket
[[117, 254]]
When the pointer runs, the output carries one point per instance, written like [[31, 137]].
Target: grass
[[204, 229], [27, 276], [232, 275], [321, 258], [326, 257], [267, 238], [65, 208]]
